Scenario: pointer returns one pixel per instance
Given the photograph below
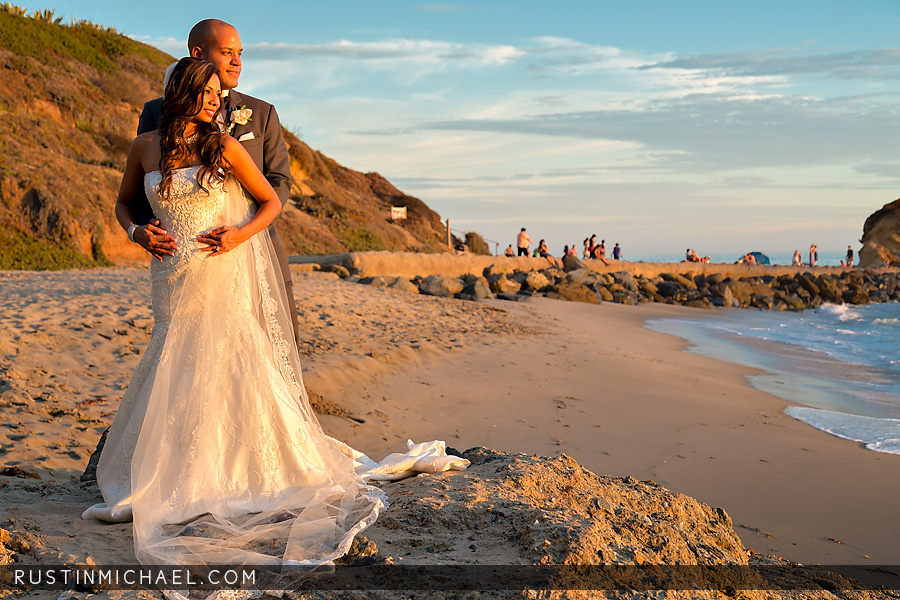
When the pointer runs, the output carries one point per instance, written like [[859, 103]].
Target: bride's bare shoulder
[[151, 138], [145, 149]]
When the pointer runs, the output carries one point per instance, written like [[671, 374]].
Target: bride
[[215, 453]]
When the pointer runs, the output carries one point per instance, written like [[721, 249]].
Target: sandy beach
[[545, 377]]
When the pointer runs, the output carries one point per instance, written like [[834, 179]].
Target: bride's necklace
[[191, 139]]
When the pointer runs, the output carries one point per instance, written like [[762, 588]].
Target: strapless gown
[[215, 453]]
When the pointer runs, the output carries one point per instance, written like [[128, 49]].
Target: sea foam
[[840, 363]]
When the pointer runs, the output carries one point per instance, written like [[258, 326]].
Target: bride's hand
[[221, 239]]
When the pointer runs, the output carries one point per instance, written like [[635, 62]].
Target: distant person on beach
[[510, 251], [601, 253], [587, 249], [596, 254], [572, 251], [798, 259], [544, 252], [849, 256], [617, 252], [522, 242], [813, 255]]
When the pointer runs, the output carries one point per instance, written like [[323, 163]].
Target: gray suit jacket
[[266, 146]]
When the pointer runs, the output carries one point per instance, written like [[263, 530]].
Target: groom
[[251, 121]]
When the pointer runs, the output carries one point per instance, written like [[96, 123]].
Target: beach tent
[[761, 259]]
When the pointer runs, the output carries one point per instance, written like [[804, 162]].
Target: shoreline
[[543, 377], [644, 407]]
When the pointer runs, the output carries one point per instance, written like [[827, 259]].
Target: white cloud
[[394, 53], [169, 45]]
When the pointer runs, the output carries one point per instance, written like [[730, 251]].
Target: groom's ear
[[197, 52]]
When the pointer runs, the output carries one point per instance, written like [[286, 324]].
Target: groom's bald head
[[205, 33], [219, 43]]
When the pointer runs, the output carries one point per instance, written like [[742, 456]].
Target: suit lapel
[[232, 102]]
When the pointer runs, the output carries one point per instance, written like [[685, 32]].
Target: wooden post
[[449, 242]]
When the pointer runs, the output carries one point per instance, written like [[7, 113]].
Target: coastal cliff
[[881, 237], [70, 102]]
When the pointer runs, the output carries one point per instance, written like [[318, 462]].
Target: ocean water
[[839, 364]]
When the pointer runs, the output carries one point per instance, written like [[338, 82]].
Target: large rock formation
[[881, 237], [510, 526]]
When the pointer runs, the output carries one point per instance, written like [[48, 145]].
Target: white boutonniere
[[239, 116]]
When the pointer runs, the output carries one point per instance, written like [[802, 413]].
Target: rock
[[626, 280], [535, 281], [879, 296], [604, 294], [498, 269], [573, 263], [700, 302], [855, 295], [881, 237], [402, 284], [340, 270], [741, 291], [501, 284], [513, 297], [464, 296], [624, 297], [762, 289], [828, 289], [576, 276], [376, 281], [727, 297], [441, 285], [576, 293], [669, 289], [685, 282], [551, 512], [479, 289], [648, 288], [762, 301]]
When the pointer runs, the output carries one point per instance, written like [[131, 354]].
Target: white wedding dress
[[215, 452]]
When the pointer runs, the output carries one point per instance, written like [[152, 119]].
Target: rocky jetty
[[770, 288]]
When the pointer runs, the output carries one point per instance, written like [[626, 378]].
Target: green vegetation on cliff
[[47, 39]]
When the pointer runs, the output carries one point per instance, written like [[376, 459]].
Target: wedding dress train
[[215, 452]]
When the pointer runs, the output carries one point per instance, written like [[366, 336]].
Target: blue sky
[[660, 125]]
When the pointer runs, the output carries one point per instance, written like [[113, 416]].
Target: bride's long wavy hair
[[182, 102]]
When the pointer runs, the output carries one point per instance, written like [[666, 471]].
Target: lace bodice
[[189, 210]]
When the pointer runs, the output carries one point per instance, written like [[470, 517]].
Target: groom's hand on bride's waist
[[155, 240]]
